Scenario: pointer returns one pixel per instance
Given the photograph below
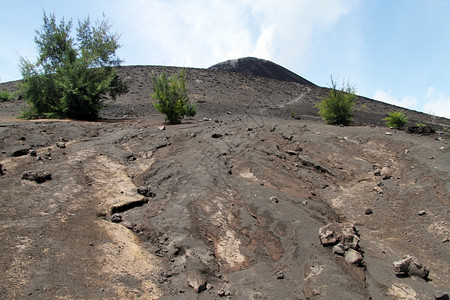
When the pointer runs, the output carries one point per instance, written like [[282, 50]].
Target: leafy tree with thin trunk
[[171, 97], [336, 108], [71, 77]]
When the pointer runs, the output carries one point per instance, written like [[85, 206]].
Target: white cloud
[[437, 103], [201, 33], [387, 97]]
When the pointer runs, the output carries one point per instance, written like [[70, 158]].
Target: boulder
[[353, 257], [39, 177], [344, 233], [410, 266]]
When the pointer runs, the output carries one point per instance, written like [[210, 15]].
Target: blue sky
[[393, 51]]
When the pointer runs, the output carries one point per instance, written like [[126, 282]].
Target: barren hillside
[[226, 205]]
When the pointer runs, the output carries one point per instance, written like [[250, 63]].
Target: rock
[[1, 171], [410, 266], [279, 275], [440, 295], [216, 135], [368, 211], [196, 279], [353, 257], [422, 212], [377, 172], [39, 177], [338, 249], [249, 129], [162, 127], [145, 191], [223, 293], [344, 233], [31, 152], [116, 218], [60, 145], [273, 200]]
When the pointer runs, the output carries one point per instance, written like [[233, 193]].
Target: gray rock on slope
[[410, 266]]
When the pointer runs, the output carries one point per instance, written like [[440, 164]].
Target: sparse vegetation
[[171, 97], [5, 96], [336, 109], [396, 119], [71, 78]]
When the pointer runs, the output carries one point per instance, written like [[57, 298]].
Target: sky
[[397, 51]]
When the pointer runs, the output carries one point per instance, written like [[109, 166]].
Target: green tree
[[171, 97], [71, 77], [336, 108], [396, 119]]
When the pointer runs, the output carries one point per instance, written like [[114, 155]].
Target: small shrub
[[5, 96], [336, 109], [171, 97], [396, 119]]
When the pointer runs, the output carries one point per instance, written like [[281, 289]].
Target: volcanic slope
[[227, 204]]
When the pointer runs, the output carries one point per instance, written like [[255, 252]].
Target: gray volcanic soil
[[208, 214]]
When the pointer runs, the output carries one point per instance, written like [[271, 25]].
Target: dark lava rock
[[420, 130], [410, 266], [259, 67], [145, 191], [439, 295], [116, 218], [20, 152], [39, 177]]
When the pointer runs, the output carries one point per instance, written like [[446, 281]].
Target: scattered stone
[[31, 152], [368, 211], [249, 129], [116, 218], [206, 119], [273, 200], [353, 257], [162, 127], [145, 191], [422, 212], [291, 152], [196, 279], [223, 293], [39, 177], [305, 202], [410, 266], [60, 145], [20, 152], [344, 233], [279, 275], [420, 130], [192, 135], [216, 135], [388, 133], [440, 295], [338, 249], [377, 172]]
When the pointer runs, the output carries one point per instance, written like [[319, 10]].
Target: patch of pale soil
[[125, 257], [227, 245], [402, 291]]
